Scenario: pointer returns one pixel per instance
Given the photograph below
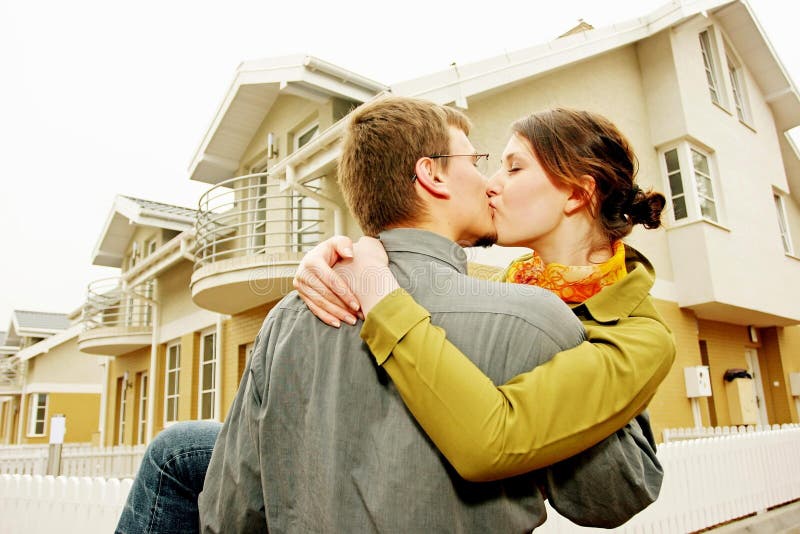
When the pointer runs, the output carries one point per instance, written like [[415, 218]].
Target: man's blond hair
[[383, 140]]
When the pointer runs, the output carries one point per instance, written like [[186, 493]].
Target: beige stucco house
[[706, 103]]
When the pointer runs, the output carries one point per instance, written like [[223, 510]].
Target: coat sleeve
[[232, 499], [609, 483], [546, 415]]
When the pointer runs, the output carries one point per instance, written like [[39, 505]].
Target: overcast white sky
[[99, 97]]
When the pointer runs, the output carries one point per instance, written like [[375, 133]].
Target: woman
[[566, 190]]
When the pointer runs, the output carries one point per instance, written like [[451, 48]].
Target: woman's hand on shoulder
[[367, 273], [324, 291]]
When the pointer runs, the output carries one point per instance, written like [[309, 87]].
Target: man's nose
[[494, 185]]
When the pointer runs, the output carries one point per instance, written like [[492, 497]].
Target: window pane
[[208, 403], [676, 184], [672, 160], [700, 162], [208, 347], [39, 427], [708, 209], [208, 376], [704, 187], [679, 207]]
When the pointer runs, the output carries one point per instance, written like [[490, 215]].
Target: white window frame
[[33, 419], [141, 426], [737, 79], [150, 246], [207, 367], [296, 144], [168, 372], [711, 66], [689, 180], [783, 223], [121, 408]]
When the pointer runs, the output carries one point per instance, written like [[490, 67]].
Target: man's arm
[[609, 483], [538, 418], [232, 499]]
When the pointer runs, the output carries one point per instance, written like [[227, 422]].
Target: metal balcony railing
[[109, 304], [253, 214], [10, 373]]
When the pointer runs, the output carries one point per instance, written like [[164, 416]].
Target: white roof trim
[[457, 84], [45, 345], [301, 75]]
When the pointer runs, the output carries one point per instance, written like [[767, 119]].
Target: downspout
[[338, 215], [218, 371], [103, 399]]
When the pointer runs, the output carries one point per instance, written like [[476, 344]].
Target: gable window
[[711, 65], [38, 419], [208, 369], [172, 371], [740, 101], [691, 183], [783, 224]]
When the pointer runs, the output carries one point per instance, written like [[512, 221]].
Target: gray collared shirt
[[318, 440]]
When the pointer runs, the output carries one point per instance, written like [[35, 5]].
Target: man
[[317, 438]]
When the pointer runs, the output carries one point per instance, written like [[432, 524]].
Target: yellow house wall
[[174, 294], [238, 331], [132, 362], [776, 392], [82, 411], [789, 342]]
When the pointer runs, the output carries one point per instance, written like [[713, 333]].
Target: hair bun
[[646, 208]]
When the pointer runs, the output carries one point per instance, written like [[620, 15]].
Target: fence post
[[58, 427]]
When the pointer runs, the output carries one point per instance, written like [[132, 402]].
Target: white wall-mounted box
[[698, 381], [794, 384]]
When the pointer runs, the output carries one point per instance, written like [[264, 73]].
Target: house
[[707, 106], [43, 374]]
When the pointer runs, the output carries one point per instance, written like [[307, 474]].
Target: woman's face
[[528, 206]]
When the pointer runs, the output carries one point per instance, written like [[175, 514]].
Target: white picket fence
[[679, 434], [707, 481], [76, 460]]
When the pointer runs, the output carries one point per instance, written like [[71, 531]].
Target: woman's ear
[[581, 196], [428, 178]]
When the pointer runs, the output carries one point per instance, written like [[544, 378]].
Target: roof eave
[[304, 76]]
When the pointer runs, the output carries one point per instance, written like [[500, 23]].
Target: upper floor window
[[208, 370], [304, 136], [172, 370], [122, 404], [150, 247], [141, 426], [38, 418], [783, 224], [711, 66], [736, 75], [691, 183]]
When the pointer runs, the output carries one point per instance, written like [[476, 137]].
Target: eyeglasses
[[479, 161]]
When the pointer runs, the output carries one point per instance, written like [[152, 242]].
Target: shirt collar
[[619, 300], [426, 243]]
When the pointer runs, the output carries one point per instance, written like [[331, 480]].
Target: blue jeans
[[163, 498]]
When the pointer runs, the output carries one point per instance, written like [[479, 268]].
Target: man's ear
[[428, 178], [581, 196]]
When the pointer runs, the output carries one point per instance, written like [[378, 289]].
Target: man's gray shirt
[[318, 439]]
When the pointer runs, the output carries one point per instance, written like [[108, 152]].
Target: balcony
[[117, 319], [251, 233], [11, 375]]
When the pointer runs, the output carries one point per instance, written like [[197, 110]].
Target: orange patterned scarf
[[574, 284]]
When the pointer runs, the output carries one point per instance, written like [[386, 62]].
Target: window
[[304, 136], [208, 368], [691, 183], [172, 371], [710, 64], [122, 401], [38, 420], [783, 225], [149, 291], [740, 100], [141, 427], [134, 255], [150, 247]]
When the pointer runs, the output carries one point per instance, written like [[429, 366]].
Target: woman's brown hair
[[570, 144]]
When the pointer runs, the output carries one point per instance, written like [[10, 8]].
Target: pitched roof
[[126, 213], [32, 320]]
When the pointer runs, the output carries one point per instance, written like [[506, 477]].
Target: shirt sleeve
[[609, 483], [232, 499], [538, 418]]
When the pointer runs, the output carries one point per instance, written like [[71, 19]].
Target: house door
[[751, 357]]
